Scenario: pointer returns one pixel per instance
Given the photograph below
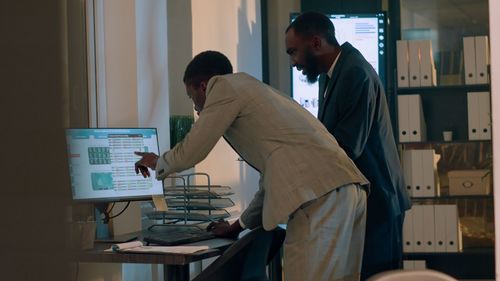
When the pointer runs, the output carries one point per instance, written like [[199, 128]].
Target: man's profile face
[[197, 95], [301, 54]]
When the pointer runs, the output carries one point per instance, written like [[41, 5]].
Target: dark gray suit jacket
[[355, 111]]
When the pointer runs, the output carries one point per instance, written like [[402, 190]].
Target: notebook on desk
[[176, 235]]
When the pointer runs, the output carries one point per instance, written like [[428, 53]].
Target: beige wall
[[279, 64], [179, 54], [121, 63], [232, 27], [34, 172], [132, 91]]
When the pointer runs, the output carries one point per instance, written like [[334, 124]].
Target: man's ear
[[316, 42], [203, 86]]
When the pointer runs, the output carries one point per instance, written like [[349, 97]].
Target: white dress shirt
[[330, 72]]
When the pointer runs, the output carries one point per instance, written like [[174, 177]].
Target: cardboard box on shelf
[[470, 182]]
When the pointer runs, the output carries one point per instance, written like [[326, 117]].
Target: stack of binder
[[476, 59], [412, 126], [420, 172], [415, 64], [414, 265], [479, 115], [432, 228]]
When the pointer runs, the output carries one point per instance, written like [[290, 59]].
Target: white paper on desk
[[138, 247]]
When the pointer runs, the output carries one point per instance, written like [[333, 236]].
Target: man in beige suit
[[307, 180]]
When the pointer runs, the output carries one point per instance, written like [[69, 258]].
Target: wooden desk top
[[97, 254]]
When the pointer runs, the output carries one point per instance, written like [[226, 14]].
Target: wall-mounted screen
[[101, 163], [366, 32]]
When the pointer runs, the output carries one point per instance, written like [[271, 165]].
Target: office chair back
[[246, 259], [411, 275]]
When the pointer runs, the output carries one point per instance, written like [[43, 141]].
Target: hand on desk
[[224, 229]]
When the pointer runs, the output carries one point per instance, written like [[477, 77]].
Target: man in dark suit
[[354, 109]]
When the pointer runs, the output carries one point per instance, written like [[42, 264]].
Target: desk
[[176, 266]]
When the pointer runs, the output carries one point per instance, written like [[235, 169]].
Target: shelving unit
[[445, 108], [455, 197], [438, 90], [478, 263]]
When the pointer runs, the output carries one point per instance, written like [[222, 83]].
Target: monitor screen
[[101, 164], [365, 32]]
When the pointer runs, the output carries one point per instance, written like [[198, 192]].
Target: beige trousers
[[325, 237]]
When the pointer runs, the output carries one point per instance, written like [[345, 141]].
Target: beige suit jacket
[[297, 157]]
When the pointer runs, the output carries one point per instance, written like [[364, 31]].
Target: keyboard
[[168, 235]]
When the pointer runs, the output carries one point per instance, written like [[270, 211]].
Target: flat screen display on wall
[[366, 32]]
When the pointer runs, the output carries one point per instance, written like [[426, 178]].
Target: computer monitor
[[366, 32], [101, 163]]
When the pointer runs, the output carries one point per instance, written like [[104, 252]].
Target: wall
[[121, 63], [278, 18], [232, 27], [135, 77], [132, 91], [35, 177], [77, 106], [180, 53]]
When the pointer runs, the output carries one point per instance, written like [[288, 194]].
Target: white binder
[[417, 173], [414, 264], [470, 60], [427, 72], [419, 264], [403, 118], [429, 235], [453, 233], [473, 115], [407, 173], [429, 175], [440, 227], [408, 265], [402, 63], [479, 115], [418, 128], [414, 63], [418, 228], [482, 59], [408, 241], [484, 115]]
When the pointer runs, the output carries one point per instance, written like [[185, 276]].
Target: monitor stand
[[103, 234]]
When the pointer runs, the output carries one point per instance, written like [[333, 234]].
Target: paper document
[[139, 247]]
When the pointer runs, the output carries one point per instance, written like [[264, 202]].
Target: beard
[[312, 68]]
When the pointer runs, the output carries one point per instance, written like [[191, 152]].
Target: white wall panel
[[232, 27]]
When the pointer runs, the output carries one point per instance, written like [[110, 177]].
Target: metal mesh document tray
[[193, 203]]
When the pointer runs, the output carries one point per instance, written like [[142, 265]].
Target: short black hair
[[205, 65], [310, 24]]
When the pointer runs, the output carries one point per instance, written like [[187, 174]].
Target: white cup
[[447, 135]]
